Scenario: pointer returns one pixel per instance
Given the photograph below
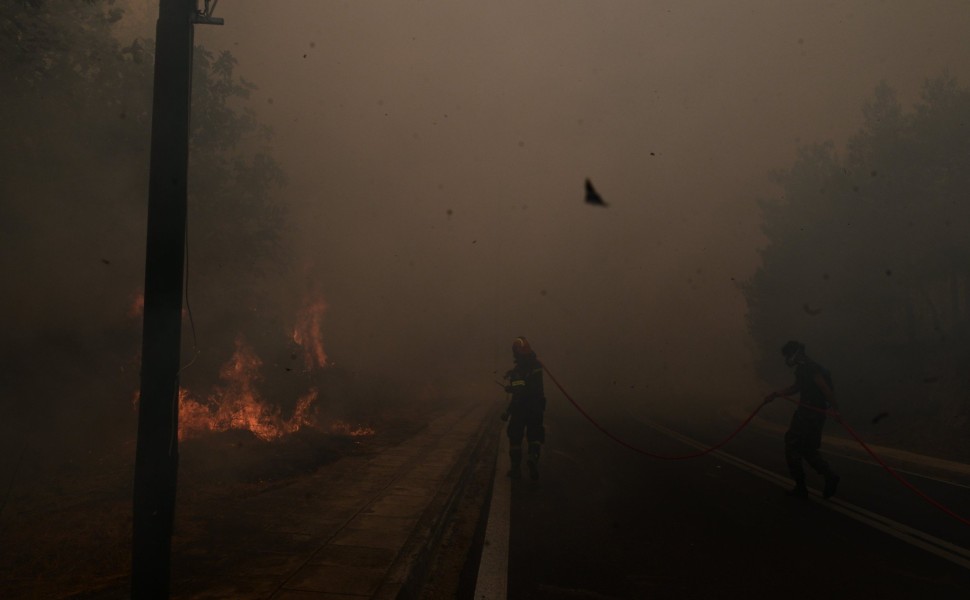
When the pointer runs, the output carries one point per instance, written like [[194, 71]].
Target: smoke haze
[[436, 151], [436, 154]]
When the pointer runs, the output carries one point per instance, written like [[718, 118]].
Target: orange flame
[[307, 332], [137, 306], [344, 428], [237, 405]]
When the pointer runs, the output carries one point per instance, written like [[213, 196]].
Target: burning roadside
[[250, 421]]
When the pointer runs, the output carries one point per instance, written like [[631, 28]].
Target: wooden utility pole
[[156, 459]]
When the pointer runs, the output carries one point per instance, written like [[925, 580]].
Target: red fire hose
[[641, 450], [734, 433], [890, 470]]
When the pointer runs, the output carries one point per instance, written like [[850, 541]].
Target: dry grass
[[65, 530]]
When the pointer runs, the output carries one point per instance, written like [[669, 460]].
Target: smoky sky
[[436, 154]]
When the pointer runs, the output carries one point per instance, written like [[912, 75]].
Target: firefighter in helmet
[[526, 406]]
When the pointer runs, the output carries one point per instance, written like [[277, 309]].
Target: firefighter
[[813, 383], [526, 406]]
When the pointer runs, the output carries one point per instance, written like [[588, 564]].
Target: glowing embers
[[236, 403], [346, 429], [307, 333], [136, 305]]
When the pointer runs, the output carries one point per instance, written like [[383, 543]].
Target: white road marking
[[866, 460], [872, 463], [493, 570], [925, 541]]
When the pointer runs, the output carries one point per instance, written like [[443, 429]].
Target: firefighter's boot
[[532, 461], [799, 491], [515, 457], [831, 484]]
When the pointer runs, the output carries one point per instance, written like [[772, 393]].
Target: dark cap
[[791, 348]]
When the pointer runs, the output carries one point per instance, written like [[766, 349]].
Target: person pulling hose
[[804, 436]]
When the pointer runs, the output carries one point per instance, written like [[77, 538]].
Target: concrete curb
[[413, 564], [364, 527]]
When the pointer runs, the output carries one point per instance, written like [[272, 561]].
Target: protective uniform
[[526, 408]]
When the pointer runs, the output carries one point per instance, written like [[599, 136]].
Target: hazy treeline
[[76, 108], [868, 256]]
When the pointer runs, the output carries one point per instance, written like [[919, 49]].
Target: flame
[[344, 428], [137, 306], [307, 332], [236, 403]]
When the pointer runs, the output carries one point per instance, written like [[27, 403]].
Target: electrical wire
[[188, 305], [195, 342]]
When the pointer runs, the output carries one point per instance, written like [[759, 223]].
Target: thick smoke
[[435, 155]]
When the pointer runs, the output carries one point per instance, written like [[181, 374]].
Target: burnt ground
[[65, 525]]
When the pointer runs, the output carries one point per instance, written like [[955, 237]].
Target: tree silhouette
[[76, 108], [868, 257], [77, 96]]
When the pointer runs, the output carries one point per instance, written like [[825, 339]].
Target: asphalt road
[[606, 522]]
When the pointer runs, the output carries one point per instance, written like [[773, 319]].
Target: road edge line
[[946, 550], [492, 580]]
